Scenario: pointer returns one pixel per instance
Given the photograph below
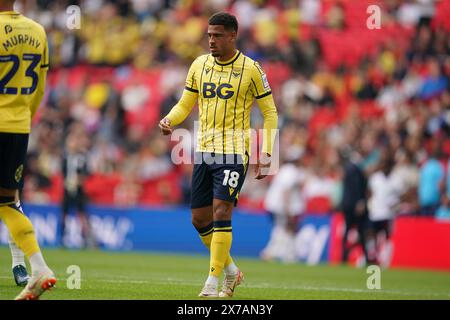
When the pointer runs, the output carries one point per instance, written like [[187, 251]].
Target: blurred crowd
[[377, 99]]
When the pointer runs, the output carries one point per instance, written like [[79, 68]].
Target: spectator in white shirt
[[385, 190]]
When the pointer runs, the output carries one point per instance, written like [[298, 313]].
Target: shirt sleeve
[[261, 87], [190, 94], [191, 82], [372, 183], [45, 62], [40, 90], [264, 98]]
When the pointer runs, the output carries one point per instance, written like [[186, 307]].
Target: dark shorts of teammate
[[13, 151], [382, 225], [216, 176], [75, 200]]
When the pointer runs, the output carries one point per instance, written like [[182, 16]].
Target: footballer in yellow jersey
[[225, 92], [23, 68], [224, 84]]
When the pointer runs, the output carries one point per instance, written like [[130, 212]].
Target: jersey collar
[[225, 63], [9, 12]]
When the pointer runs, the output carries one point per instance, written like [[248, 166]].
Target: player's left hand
[[262, 167]]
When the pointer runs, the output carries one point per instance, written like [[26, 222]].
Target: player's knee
[[222, 212], [200, 222], [195, 222]]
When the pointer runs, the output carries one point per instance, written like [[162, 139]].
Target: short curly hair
[[224, 19]]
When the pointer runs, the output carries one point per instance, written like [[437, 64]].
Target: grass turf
[[151, 276]]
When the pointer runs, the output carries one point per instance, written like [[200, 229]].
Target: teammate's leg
[[20, 228], [22, 232], [13, 148], [19, 268], [17, 256]]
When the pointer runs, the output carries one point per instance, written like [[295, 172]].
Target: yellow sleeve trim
[[191, 89], [264, 95]]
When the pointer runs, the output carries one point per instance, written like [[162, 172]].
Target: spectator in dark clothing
[[354, 204], [75, 170]]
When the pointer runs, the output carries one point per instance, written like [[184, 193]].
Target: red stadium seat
[[442, 13], [446, 147], [318, 205], [54, 191], [322, 119], [100, 188], [370, 110], [163, 190]]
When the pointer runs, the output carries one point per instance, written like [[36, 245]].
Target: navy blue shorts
[[216, 176], [13, 150]]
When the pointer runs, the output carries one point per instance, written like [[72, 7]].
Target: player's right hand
[[164, 125]]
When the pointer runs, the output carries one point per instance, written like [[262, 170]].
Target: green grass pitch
[[152, 276]]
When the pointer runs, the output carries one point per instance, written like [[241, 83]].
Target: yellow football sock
[[206, 235], [20, 229], [220, 247]]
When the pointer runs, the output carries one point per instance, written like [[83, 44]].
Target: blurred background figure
[[285, 204], [75, 171], [407, 173], [431, 181], [354, 204], [384, 196], [444, 210]]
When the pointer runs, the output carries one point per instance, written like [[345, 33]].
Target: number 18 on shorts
[[217, 178]]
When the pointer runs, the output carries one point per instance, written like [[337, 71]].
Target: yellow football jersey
[[225, 92], [23, 69]]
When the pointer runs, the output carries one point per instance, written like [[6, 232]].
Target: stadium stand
[[336, 83]]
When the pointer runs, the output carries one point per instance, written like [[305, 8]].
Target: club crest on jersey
[[220, 74], [19, 173]]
